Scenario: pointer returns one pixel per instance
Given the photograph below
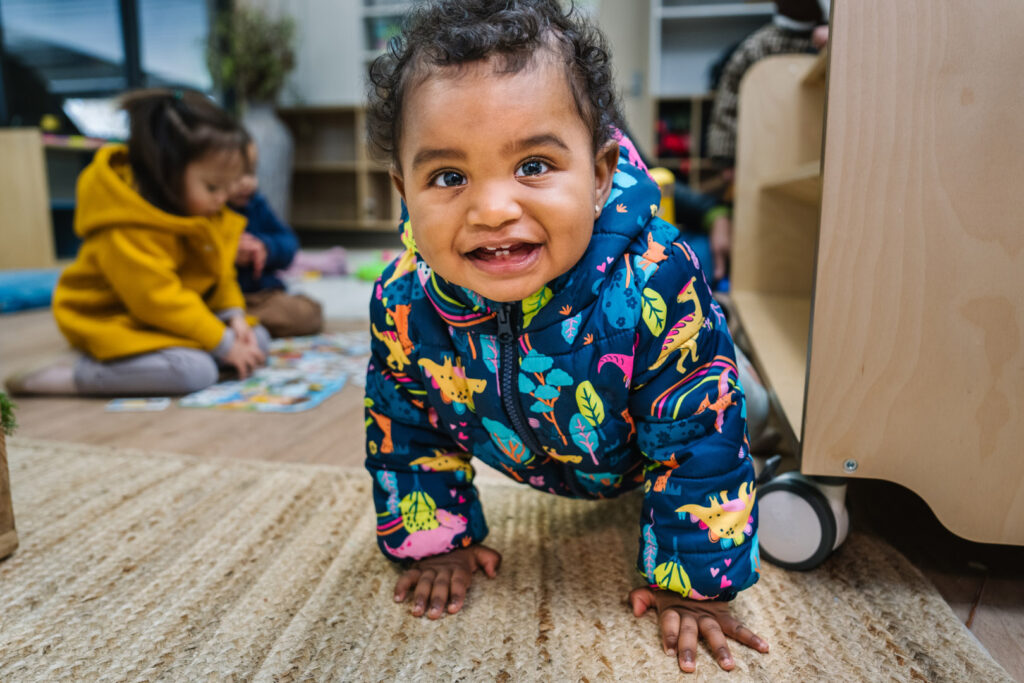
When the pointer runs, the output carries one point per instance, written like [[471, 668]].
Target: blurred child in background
[[267, 246], [152, 302]]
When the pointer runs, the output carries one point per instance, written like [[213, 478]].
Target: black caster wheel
[[801, 520]]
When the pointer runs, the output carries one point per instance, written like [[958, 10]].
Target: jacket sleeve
[[278, 237], [140, 267], [228, 293], [422, 482], [699, 515]]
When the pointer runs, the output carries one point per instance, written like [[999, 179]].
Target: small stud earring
[[597, 210]]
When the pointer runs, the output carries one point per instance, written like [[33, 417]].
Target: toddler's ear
[[605, 163], [397, 181]]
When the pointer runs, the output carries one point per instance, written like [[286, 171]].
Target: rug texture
[[148, 566]]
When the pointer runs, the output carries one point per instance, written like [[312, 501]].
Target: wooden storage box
[[8, 536], [880, 284]]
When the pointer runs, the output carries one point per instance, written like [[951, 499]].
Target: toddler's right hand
[[244, 357], [444, 579]]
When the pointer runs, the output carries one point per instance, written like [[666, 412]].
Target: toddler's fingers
[[489, 560], [461, 580], [687, 645], [422, 592], [712, 632], [439, 594], [668, 624], [641, 600], [406, 581], [742, 634]]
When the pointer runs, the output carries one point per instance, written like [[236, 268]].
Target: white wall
[[627, 25], [331, 67], [329, 52]]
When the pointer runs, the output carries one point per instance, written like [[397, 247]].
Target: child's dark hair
[[453, 32], [168, 130]]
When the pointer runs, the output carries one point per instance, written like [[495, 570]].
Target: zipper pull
[[506, 335]]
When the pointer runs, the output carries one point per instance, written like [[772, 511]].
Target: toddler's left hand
[[244, 333], [682, 621]]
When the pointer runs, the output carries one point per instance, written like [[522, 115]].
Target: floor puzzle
[[301, 373]]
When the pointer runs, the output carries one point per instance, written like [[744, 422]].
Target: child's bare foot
[[54, 376]]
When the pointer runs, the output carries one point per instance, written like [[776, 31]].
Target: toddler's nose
[[492, 205]]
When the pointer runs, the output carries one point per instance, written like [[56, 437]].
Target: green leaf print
[[590, 404], [533, 303], [654, 311]]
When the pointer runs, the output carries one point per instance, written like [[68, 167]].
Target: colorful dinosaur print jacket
[[618, 374]]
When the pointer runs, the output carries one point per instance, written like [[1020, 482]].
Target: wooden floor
[[984, 584]]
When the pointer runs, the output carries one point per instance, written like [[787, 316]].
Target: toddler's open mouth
[[511, 253]]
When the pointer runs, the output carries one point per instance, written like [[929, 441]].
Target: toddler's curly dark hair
[[452, 32]]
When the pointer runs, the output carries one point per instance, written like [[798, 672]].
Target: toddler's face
[[245, 187], [499, 176], [209, 179]]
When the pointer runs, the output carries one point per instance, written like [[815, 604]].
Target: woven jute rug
[[149, 566]]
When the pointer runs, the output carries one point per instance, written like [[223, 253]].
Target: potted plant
[[8, 536], [251, 54]]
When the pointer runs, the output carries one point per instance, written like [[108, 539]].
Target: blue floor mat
[[24, 289]]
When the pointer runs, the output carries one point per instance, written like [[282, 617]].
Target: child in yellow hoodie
[[152, 301]]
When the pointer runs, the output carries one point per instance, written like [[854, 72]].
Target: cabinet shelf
[[777, 326], [330, 225], [336, 185], [329, 167], [717, 11], [802, 184]]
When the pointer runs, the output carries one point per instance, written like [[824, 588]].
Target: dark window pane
[[173, 42], [67, 47]]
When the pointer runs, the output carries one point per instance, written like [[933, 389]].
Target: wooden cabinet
[[335, 184], [26, 230], [882, 285]]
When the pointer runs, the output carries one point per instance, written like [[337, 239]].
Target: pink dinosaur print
[[428, 542], [620, 360]]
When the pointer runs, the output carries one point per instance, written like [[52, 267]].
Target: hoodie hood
[[107, 196]]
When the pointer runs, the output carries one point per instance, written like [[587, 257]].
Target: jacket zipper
[[507, 335]]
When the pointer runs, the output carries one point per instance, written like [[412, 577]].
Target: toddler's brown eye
[[532, 167], [449, 179]]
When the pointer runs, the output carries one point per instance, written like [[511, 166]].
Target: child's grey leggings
[[167, 372]]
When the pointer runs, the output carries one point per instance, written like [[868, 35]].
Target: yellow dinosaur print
[[683, 335], [551, 453], [445, 463], [397, 357], [724, 518], [407, 261], [452, 381]]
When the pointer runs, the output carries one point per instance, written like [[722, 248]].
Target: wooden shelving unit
[[686, 38], [878, 269], [335, 184], [26, 228]]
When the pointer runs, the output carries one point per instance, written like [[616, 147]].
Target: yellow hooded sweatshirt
[[143, 279]]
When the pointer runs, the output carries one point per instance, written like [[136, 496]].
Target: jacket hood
[[108, 197]]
